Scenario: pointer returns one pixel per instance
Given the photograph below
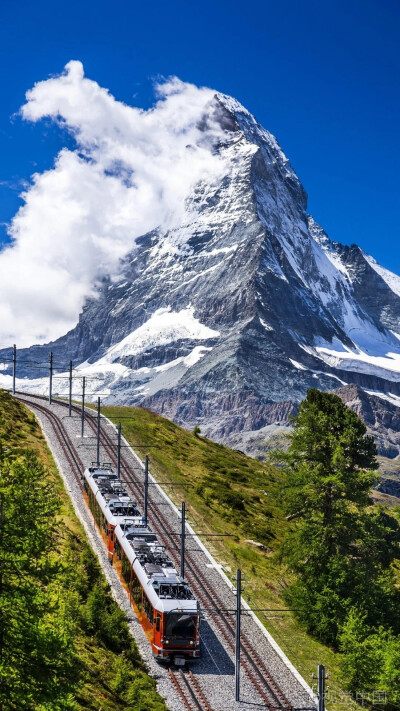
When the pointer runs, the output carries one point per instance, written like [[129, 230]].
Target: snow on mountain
[[392, 280], [228, 318], [376, 360], [164, 326]]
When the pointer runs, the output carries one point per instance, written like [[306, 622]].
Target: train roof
[[165, 589], [112, 495]]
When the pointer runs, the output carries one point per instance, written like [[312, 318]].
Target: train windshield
[[180, 626]]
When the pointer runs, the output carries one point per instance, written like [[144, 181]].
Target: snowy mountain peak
[[235, 117], [228, 317], [233, 106]]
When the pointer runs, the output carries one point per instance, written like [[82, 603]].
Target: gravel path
[[215, 669]]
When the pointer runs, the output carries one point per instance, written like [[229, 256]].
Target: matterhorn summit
[[227, 318]]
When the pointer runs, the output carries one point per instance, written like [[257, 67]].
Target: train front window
[[180, 626]]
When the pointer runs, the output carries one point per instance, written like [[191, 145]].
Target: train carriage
[[108, 501], [164, 602]]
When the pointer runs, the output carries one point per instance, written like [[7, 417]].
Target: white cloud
[[130, 172]]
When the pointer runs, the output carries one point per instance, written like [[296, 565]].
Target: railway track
[[65, 442], [255, 668], [184, 681], [189, 690], [268, 690], [252, 664]]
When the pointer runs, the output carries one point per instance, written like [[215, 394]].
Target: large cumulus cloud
[[130, 172]]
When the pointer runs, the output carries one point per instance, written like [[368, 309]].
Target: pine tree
[[36, 632], [339, 549]]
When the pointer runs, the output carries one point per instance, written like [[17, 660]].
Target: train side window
[[158, 623], [136, 590], [126, 569], [148, 608]]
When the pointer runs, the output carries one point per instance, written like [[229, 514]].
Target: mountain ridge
[[226, 318]]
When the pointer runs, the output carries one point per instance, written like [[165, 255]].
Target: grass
[[229, 493], [19, 429], [112, 676]]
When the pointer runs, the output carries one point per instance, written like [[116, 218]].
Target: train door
[[111, 543], [157, 631]]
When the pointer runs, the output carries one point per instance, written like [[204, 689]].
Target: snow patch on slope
[[265, 324], [297, 365], [389, 397], [321, 238], [163, 327], [375, 356], [108, 378]]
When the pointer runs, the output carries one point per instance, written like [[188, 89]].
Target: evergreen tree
[[340, 550], [36, 631], [371, 658]]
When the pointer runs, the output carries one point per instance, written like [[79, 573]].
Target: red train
[[163, 601]]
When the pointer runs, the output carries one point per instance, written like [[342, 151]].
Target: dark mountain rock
[[381, 417], [390, 487]]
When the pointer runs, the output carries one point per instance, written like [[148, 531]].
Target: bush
[[233, 499]]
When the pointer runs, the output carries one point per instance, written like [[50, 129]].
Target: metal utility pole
[[14, 367], [321, 687], [237, 635], [50, 377], [183, 541], [70, 389], [119, 450], [146, 489], [83, 407], [98, 431]]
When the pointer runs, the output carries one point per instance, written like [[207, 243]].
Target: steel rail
[[189, 690], [65, 442]]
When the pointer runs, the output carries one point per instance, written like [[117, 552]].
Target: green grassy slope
[[110, 675], [231, 493]]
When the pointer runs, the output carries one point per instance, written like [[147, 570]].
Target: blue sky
[[322, 76]]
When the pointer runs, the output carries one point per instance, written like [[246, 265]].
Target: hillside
[[227, 492], [95, 657]]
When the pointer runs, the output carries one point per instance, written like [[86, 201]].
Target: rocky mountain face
[[228, 319], [381, 417]]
